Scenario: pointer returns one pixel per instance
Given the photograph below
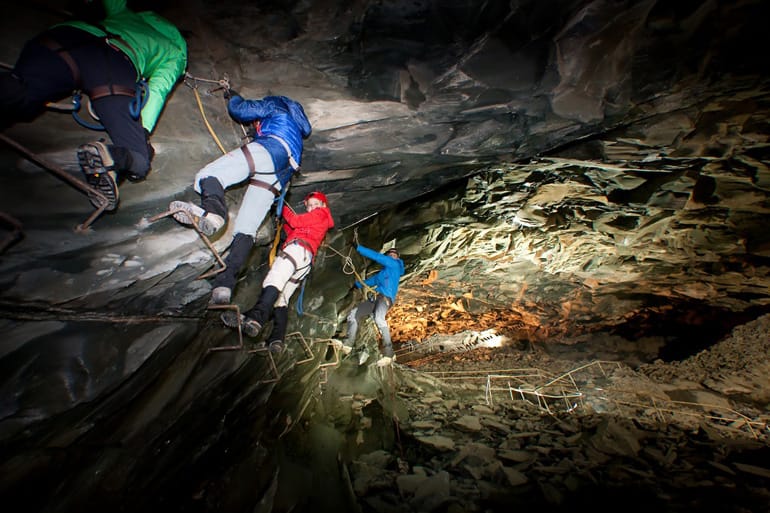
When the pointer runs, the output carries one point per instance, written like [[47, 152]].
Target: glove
[[229, 93]]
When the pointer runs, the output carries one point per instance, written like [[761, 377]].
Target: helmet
[[317, 195], [393, 250]]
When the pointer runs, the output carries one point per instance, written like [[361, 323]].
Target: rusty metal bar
[[61, 173], [241, 345], [271, 361], [305, 347], [16, 231], [240, 332], [337, 346], [205, 239]]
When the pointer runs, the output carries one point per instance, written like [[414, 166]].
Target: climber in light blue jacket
[[385, 284], [268, 161]]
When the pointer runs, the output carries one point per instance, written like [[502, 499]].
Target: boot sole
[[106, 185], [98, 176], [186, 212], [249, 327]]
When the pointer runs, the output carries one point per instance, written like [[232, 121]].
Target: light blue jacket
[[386, 280]]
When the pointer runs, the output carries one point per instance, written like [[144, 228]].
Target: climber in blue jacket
[[268, 162], [385, 284]]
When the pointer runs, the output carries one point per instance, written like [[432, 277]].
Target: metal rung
[[203, 236], [271, 361], [61, 173], [240, 332], [305, 347], [335, 344]]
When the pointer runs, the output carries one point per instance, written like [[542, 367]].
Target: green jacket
[[154, 45]]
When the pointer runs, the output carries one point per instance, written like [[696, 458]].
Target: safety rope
[[348, 268], [301, 297], [278, 226], [206, 121], [276, 240]]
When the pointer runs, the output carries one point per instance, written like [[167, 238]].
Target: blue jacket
[[385, 281], [279, 116]]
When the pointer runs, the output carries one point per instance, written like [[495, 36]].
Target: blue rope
[[279, 199], [300, 311]]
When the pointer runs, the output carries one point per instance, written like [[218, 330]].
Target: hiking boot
[[97, 164], [186, 212], [249, 327], [385, 361], [344, 348], [106, 183], [230, 319], [221, 295], [363, 356], [277, 346]]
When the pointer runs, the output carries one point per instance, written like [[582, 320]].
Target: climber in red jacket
[[304, 234]]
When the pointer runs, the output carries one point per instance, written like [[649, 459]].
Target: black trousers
[[41, 75]]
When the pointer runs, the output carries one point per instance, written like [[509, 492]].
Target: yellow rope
[[206, 121], [347, 263], [274, 249]]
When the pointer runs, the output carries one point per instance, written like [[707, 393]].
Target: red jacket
[[310, 227]]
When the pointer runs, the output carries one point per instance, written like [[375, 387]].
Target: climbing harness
[[140, 95]]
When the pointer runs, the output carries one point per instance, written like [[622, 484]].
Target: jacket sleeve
[[246, 111], [166, 73], [381, 259], [314, 218], [369, 282], [288, 215], [160, 85], [111, 7]]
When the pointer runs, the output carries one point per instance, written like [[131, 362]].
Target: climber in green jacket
[[126, 62]]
